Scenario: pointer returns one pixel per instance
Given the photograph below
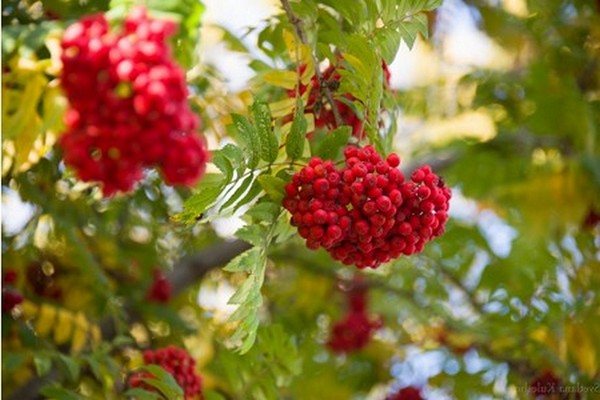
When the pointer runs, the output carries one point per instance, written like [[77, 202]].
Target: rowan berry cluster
[[11, 297], [160, 289], [407, 393], [128, 104], [366, 213], [176, 362], [354, 331], [318, 105]]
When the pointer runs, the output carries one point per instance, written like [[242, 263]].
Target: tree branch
[[187, 272], [323, 87]]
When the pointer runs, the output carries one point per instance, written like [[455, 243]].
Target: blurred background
[[502, 100]]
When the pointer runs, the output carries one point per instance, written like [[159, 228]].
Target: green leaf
[[255, 190], [71, 367], [248, 289], [210, 394], [249, 298], [141, 394], [245, 261], [268, 141], [207, 193], [42, 363], [59, 393], [224, 164], [274, 186], [163, 381], [330, 147], [297, 136], [252, 233], [240, 191], [94, 366], [387, 41], [249, 138], [266, 211]]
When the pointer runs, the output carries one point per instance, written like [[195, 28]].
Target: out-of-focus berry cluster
[[407, 393], [11, 297], [354, 330], [160, 289], [366, 213], [318, 105], [128, 104], [176, 362]]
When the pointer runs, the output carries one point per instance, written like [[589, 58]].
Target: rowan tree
[[432, 240]]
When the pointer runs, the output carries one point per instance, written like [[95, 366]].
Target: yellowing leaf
[[24, 143], [284, 79], [582, 347], [282, 107], [29, 309], [46, 320], [64, 326], [15, 124], [297, 51], [96, 334], [80, 334]]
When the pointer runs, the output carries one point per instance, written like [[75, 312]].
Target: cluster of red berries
[[10, 296], [407, 393], [160, 290], [318, 105], [128, 104], [354, 331], [366, 213], [176, 362]]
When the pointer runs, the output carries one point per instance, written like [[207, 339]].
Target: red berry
[[393, 160], [176, 362], [128, 104]]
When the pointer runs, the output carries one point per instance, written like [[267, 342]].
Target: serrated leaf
[[249, 298], [233, 153], [250, 195], [266, 211], [249, 137], [245, 261], [274, 186], [387, 41], [247, 290], [268, 141], [253, 234], [242, 313], [199, 202], [240, 191], [297, 136], [224, 164], [163, 381], [331, 145]]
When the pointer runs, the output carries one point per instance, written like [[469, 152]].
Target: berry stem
[[297, 23]]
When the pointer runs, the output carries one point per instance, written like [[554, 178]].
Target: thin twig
[[323, 87]]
